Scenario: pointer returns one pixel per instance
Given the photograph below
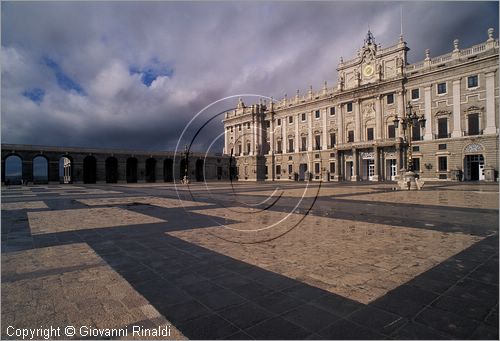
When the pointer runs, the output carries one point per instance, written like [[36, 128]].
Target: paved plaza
[[223, 260]]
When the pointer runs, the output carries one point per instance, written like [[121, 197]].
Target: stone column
[[357, 122], [338, 165], [378, 119], [253, 138], [398, 159], [340, 125], [284, 138], [400, 112], [457, 131], [354, 165], [376, 176], [226, 140], [271, 136], [309, 132], [53, 172], [427, 113], [296, 145], [491, 125], [324, 143]]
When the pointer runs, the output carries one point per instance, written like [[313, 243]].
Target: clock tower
[[373, 64]]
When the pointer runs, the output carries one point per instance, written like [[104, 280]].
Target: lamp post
[[409, 120], [186, 160]]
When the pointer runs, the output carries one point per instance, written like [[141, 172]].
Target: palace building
[[355, 130]]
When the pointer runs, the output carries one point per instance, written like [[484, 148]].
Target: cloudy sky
[[132, 74]]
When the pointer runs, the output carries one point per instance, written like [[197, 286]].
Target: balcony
[[442, 136], [472, 133]]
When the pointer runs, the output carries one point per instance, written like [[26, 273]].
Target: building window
[[290, 119], [279, 121], [290, 169], [332, 167], [332, 111], [239, 127], [290, 145], [304, 143], [472, 82], [416, 164], [442, 128], [415, 94], [333, 140], [390, 98], [473, 124], [303, 117], [231, 129], [391, 131], [248, 148], [278, 169], [316, 168], [416, 148], [239, 149], [349, 107], [415, 133], [369, 134], [443, 163], [248, 125], [350, 136], [268, 124], [442, 146], [317, 114], [441, 88], [317, 142], [280, 147]]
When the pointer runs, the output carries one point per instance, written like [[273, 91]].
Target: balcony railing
[[442, 136], [472, 133]]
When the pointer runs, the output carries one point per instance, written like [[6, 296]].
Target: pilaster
[[457, 131]]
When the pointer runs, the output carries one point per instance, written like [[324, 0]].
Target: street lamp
[[409, 120], [186, 160]]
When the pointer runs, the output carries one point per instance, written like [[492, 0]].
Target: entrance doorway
[[302, 171], [348, 170], [392, 169], [474, 167]]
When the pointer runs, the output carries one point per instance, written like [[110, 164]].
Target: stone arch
[[168, 170], [40, 171], [12, 171], [131, 170], [151, 170], [66, 169], [111, 170], [89, 170], [200, 171]]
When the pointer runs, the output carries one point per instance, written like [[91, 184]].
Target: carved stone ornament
[[473, 148], [367, 155], [390, 155], [442, 113]]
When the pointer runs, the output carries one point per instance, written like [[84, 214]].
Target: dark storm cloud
[[132, 75]]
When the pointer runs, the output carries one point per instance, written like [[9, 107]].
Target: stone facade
[[348, 132], [92, 165]]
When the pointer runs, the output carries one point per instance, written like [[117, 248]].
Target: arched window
[[40, 170]]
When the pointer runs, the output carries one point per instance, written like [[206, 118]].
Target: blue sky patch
[[35, 94], [64, 81], [150, 72]]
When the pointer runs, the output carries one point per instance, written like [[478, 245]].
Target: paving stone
[[452, 324], [207, 328], [277, 302], [378, 320], [346, 330], [485, 332], [245, 315], [220, 299], [416, 331], [337, 305], [310, 317], [277, 328], [464, 307]]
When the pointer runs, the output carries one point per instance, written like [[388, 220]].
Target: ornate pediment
[[473, 148], [442, 113], [473, 108]]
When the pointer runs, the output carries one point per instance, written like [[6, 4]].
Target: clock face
[[368, 70]]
